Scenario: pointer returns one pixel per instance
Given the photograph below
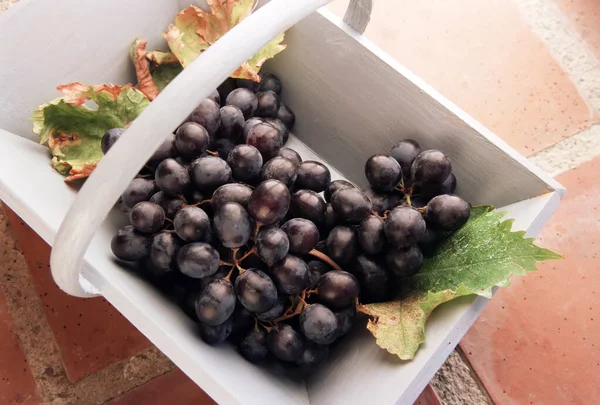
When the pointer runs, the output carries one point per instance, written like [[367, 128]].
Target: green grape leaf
[[195, 30], [154, 70], [74, 130], [163, 74]]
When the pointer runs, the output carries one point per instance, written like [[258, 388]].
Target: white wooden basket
[[351, 101]]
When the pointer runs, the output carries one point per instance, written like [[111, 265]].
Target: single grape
[[171, 205], [254, 346], [281, 169], [216, 303], [313, 356], [245, 162], [346, 319], [109, 138], [191, 224], [337, 289], [319, 324], [382, 201], [308, 204], [351, 204], [286, 116], [137, 191], [268, 104], [166, 150], [342, 245], [210, 172], [213, 335], [371, 235], [447, 187], [272, 245], [405, 152], [313, 176], [232, 124], [172, 177], [302, 234], [222, 146], [266, 138], [191, 140], [274, 312], [147, 217], [335, 186], [256, 291], [332, 219], [285, 343], [290, 154], [284, 134], [163, 248], [232, 192], [383, 172], [129, 245], [290, 275], [249, 124], [269, 202], [448, 212], [270, 82], [225, 88], [198, 260], [207, 114], [232, 225], [430, 167], [373, 278], [215, 96], [316, 269], [243, 99], [404, 262], [248, 84], [404, 226]]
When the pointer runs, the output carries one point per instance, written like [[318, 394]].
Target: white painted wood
[[358, 14]]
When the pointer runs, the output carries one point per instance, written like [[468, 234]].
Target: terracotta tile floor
[[584, 16]]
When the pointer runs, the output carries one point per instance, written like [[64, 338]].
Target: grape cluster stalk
[[262, 248]]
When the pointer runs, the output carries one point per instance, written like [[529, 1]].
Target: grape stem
[[256, 229], [200, 203], [297, 311], [144, 176], [246, 255], [210, 152], [322, 256], [222, 263], [236, 262]]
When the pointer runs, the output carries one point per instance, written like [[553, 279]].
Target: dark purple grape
[[337, 289], [215, 96], [286, 116], [317, 269], [249, 124], [165, 150], [270, 82], [269, 202], [448, 212], [207, 114], [430, 167], [351, 204], [404, 226], [232, 225], [163, 248], [232, 124], [285, 343], [373, 278], [430, 241], [308, 204], [268, 104], [137, 191], [213, 335], [281, 169], [191, 224], [342, 245], [147, 217], [404, 262], [290, 275], [382, 201], [171, 205], [222, 146], [332, 219], [383, 172], [284, 134], [274, 312], [210, 172], [427, 192], [302, 234], [319, 324], [232, 192], [290, 154], [405, 152], [248, 84], [216, 303], [254, 346], [313, 356], [129, 245], [245, 162], [313, 176], [256, 291], [191, 140], [335, 186], [243, 99], [198, 260], [225, 88], [266, 138], [371, 235], [109, 138], [172, 177], [345, 318], [272, 245]]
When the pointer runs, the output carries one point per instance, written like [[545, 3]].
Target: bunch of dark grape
[[260, 247]]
